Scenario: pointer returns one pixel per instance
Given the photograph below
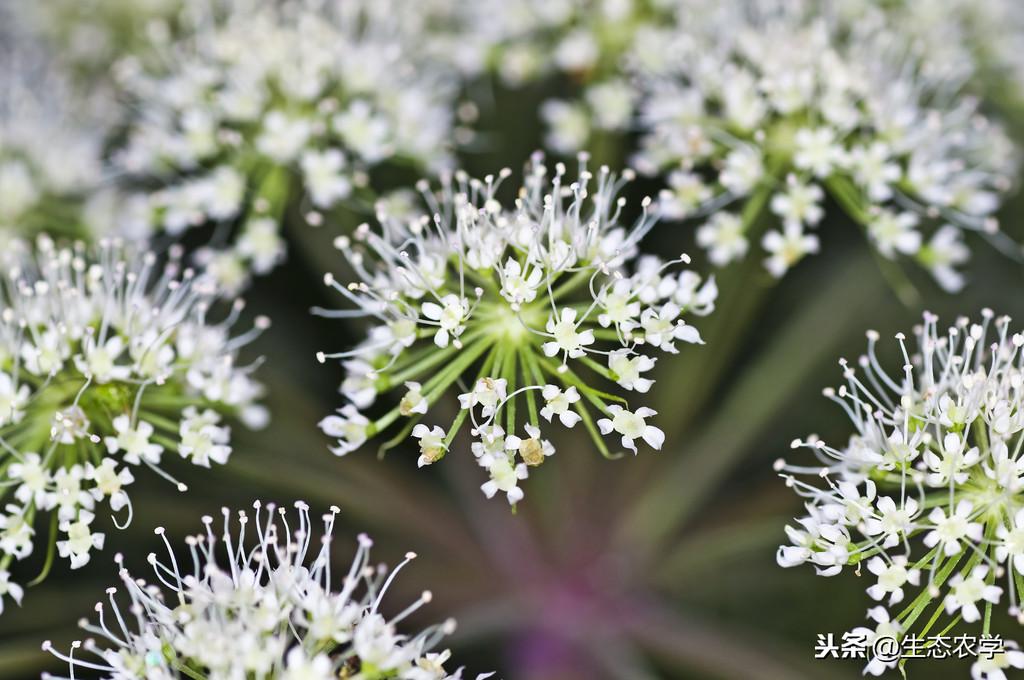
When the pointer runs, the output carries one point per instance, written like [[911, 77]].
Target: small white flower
[[895, 233], [203, 439], [891, 578], [350, 428], [787, 248], [80, 540], [413, 401], [800, 204], [994, 667], [487, 393], [261, 244], [9, 589], [283, 137], [133, 441], [325, 181], [450, 316], [632, 425], [432, 445], [627, 369], [950, 531], [559, 403], [744, 168], [966, 592], [566, 339], [505, 476], [722, 236], [817, 151]]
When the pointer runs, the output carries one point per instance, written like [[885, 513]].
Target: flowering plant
[[106, 363], [524, 305]]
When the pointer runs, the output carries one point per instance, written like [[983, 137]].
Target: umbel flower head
[[262, 603], [757, 111], [530, 312], [51, 142], [237, 136], [926, 499], [108, 364]]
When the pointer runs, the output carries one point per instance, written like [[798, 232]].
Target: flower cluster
[[523, 305], [927, 493], [792, 105], [755, 111], [266, 605], [236, 136], [51, 143], [107, 362]]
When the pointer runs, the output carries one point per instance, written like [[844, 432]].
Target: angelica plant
[[51, 150], [236, 137], [530, 311], [924, 501], [109, 363], [766, 108], [260, 600]]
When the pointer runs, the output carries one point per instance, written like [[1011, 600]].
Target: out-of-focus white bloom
[[238, 138], [107, 360], [267, 604], [927, 489], [861, 103], [51, 147], [529, 307]]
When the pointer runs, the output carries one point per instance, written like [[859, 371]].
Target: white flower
[[261, 244], [487, 393], [450, 316], [994, 667], [283, 137], [432, 444], [874, 169], [559, 403], [203, 439], [9, 589], [568, 126], [722, 236], [966, 592], [817, 151], [627, 369], [895, 233], [80, 540], [98, 361], [133, 441], [350, 429], [632, 425], [743, 169], [505, 477], [326, 183], [800, 204], [1011, 542], [413, 401], [565, 337], [950, 531], [12, 399], [787, 248], [891, 578]]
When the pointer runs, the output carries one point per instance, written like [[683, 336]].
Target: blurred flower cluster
[[235, 137]]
